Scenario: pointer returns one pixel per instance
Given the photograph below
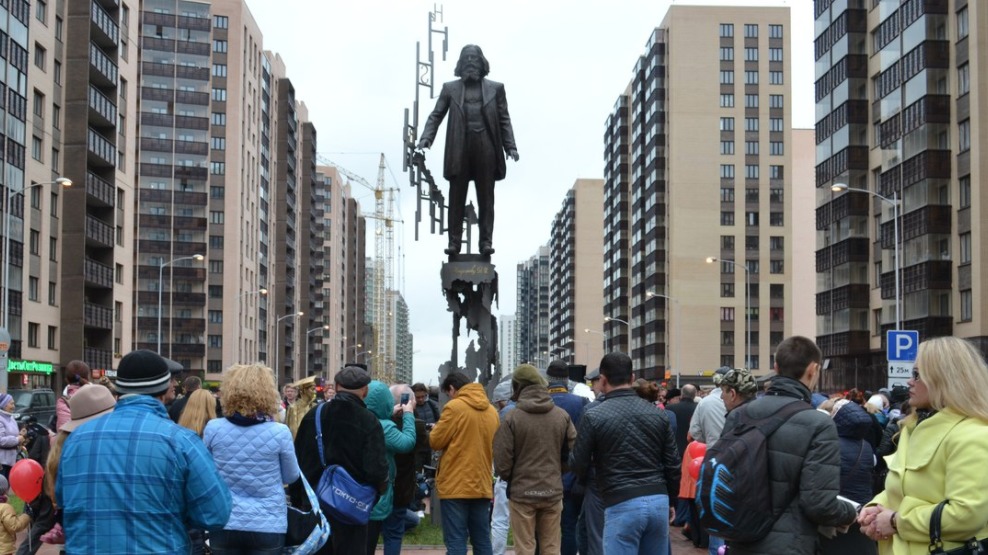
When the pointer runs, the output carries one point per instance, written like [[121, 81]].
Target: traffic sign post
[[901, 349]]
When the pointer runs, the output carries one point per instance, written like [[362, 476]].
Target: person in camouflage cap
[[738, 386]]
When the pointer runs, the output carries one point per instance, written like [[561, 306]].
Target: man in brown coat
[[530, 450]]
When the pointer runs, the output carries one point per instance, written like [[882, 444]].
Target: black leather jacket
[[632, 448]]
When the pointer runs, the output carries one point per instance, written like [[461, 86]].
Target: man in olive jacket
[[352, 438], [803, 457], [530, 449], [465, 435]]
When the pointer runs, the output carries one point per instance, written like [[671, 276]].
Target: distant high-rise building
[[404, 342], [698, 162], [507, 344], [576, 313], [532, 312], [897, 121]]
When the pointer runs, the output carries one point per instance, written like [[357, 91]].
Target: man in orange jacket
[[465, 435]]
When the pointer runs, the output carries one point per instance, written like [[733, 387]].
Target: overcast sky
[[563, 63]]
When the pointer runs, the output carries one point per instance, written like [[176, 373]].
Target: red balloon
[[696, 449], [26, 478], [694, 469]]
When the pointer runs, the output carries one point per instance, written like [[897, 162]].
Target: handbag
[[308, 530], [972, 546], [344, 498]]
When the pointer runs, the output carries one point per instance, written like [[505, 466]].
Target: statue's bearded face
[[471, 64]]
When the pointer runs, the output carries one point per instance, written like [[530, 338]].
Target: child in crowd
[[11, 521]]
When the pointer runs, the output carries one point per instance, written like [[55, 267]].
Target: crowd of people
[[567, 468]]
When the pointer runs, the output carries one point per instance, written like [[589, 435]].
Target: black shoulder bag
[[972, 546]]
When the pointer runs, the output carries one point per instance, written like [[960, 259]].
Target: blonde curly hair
[[249, 389]]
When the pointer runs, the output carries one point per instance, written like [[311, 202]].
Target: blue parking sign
[[902, 345]]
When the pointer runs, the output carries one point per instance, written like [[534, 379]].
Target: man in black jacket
[[352, 438], [633, 451]]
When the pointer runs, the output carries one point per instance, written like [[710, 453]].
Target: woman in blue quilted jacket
[[256, 458]]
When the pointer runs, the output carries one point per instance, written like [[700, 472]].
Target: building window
[[727, 147], [727, 194], [775, 31], [775, 172], [964, 136], [218, 143], [751, 219], [727, 338], [751, 148], [965, 248], [40, 56], [967, 306], [52, 338], [727, 101], [35, 244], [775, 219], [750, 31], [118, 273], [751, 243], [751, 124], [32, 289], [751, 78], [964, 79], [751, 54], [751, 196], [41, 11], [215, 341], [216, 217], [751, 171], [776, 195], [53, 249], [218, 118], [726, 77], [776, 148], [726, 267], [214, 366], [775, 54], [216, 241], [216, 266], [727, 171], [58, 28], [962, 27], [215, 291], [221, 22], [775, 77], [727, 314], [36, 149], [727, 218], [118, 311], [775, 101], [727, 290], [751, 101], [727, 242], [775, 125], [57, 72], [727, 53], [727, 124], [219, 70], [219, 94], [217, 192], [52, 293], [215, 316], [217, 168], [219, 46], [726, 30], [39, 104], [776, 266], [964, 184], [32, 334]]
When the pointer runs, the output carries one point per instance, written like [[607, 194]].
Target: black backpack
[[733, 491]]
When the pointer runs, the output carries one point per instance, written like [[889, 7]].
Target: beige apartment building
[[576, 276], [699, 210]]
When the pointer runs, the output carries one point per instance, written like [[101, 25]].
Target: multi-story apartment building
[[698, 164], [897, 100], [404, 342], [532, 312], [358, 334], [507, 344], [576, 275]]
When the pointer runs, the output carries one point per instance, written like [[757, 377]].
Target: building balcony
[[106, 33], [930, 219], [174, 298], [192, 97], [173, 197], [154, 93], [98, 358], [102, 69], [97, 274], [855, 295], [846, 343], [194, 48], [928, 164], [155, 18], [193, 326], [930, 326], [146, 271], [99, 233], [934, 274], [101, 151], [852, 249], [102, 110], [96, 316], [99, 191]]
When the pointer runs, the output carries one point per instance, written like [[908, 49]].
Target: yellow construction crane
[[383, 275]]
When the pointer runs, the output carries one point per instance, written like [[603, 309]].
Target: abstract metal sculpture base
[[470, 287]]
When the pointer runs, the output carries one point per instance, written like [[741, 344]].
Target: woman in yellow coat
[[943, 449]]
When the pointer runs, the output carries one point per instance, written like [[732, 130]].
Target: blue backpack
[[343, 498]]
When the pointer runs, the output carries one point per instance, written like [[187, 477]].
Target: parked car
[[39, 403]]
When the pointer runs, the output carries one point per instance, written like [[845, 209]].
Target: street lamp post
[[261, 292], [620, 321], [63, 182], [747, 309], [678, 330], [277, 340], [602, 334], [894, 201], [308, 334], [356, 357], [161, 288]]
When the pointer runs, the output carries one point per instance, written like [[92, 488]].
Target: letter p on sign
[[902, 345]]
